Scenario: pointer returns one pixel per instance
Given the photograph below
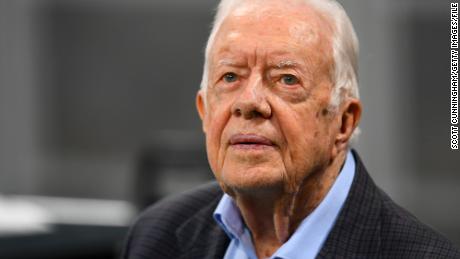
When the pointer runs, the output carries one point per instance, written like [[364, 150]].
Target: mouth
[[250, 141]]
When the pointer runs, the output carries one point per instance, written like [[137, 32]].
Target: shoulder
[[371, 224], [181, 206], [154, 231], [403, 235]]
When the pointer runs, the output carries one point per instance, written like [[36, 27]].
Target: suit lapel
[[200, 236], [356, 233]]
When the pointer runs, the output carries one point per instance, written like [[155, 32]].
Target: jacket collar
[[356, 232]]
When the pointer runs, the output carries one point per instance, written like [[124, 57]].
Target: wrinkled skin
[[269, 76]]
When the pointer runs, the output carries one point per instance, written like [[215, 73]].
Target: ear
[[349, 116], [201, 107]]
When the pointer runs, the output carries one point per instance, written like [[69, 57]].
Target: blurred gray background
[[89, 89]]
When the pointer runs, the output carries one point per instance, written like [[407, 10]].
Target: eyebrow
[[285, 64], [281, 64]]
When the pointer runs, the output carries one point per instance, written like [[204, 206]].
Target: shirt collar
[[309, 237], [228, 217]]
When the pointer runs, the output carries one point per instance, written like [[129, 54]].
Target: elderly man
[[279, 105]]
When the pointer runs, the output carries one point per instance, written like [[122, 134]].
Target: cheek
[[217, 119], [300, 133], [304, 136]]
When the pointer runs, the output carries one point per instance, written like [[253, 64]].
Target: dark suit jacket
[[370, 225]]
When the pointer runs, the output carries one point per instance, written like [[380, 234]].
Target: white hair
[[345, 47]]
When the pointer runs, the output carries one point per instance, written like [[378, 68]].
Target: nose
[[252, 101]]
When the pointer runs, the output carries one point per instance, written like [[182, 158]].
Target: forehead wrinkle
[[226, 62]]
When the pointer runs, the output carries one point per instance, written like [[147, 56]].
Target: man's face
[[266, 116]]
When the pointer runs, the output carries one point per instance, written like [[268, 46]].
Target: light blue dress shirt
[[307, 240]]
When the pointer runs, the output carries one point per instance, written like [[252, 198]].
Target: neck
[[272, 217]]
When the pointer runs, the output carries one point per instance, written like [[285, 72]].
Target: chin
[[253, 179]]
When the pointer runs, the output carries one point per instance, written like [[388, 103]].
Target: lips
[[250, 140]]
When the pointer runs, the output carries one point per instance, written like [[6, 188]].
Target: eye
[[230, 77], [288, 79]]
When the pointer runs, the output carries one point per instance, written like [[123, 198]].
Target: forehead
[[272, 25]]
